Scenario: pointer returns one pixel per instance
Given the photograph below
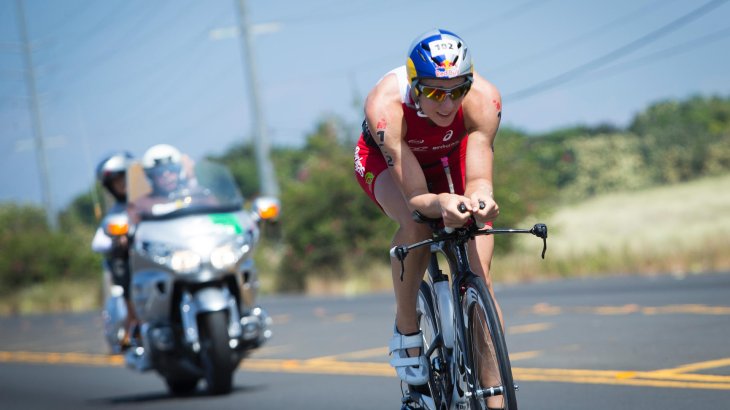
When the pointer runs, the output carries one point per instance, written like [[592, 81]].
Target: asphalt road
[[615, 343]]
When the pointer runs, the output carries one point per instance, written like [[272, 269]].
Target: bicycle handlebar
[[469, 232], [442, 234], [540, 230]]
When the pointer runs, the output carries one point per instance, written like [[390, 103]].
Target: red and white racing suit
[[428, 142]]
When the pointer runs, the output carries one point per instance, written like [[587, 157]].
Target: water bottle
[[446, 311]]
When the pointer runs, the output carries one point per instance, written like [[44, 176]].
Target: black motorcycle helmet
[[111, 167]]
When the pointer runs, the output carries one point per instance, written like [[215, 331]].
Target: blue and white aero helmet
[[438, 53]]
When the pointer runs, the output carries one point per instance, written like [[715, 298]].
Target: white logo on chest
[[448, 135]]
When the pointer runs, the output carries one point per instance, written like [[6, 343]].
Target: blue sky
[[126, 74]]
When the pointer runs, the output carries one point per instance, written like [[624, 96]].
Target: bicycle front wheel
[[492, 385]]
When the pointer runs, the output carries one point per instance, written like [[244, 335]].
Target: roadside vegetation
[[651, 198]]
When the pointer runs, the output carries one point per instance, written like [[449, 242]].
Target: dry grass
[[63, 296], [677, 229]]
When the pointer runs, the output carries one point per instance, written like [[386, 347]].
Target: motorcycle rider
[[167, 170], [163, 167], [111, 173]]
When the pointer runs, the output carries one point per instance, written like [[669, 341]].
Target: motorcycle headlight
[[184, 261], [179, 260], [225, 256]]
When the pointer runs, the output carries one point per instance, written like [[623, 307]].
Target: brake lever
[[400, 253], [541, 231]]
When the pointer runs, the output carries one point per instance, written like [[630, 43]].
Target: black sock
[[409, 334]]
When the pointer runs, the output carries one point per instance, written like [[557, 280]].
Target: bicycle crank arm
[[437, 342]]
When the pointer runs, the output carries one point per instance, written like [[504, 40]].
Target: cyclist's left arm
[[482, 113]]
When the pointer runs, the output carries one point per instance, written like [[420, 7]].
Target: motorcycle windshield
[[172, 190]]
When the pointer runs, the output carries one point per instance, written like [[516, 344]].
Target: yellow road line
[[524, 355], [546, 309], [529, 328], [619, 378], [671, 378], [361, 354], [61, 358], [693, 309], [319, 367], [627, 375], [710, 364]]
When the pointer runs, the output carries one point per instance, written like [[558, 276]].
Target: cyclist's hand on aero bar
[[483, 208], [452, 216]]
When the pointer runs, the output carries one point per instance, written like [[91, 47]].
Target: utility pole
[[267, 177], [36, 119]]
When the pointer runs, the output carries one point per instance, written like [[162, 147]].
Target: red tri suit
[[428, 142]]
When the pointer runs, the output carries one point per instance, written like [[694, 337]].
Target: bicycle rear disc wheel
[[427, 323], [487, 350]]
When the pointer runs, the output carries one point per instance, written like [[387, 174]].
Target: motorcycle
[[193, 280]]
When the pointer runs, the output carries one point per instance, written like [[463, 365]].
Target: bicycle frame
[[458, 260]]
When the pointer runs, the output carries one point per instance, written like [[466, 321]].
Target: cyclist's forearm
[[430, 205], [482, 185], [427, 204]]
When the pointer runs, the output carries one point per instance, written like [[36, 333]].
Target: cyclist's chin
[[441, 119]]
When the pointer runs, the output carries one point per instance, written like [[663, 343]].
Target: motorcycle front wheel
[[215, 353], [182, 386]]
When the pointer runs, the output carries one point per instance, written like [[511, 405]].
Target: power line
[[141, 115], [511, 14], [569, 43], [661, 54], [105, 21], [340, 15], [615, 54], [195, 39], [134, 35], [70, 16], [156, 105]]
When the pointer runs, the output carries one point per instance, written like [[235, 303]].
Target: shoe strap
[[400, 342], [406, 361]]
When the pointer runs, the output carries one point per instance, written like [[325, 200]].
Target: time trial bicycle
[[463, 335]]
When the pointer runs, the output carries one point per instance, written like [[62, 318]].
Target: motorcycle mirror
[[266, 208], [116, 225]]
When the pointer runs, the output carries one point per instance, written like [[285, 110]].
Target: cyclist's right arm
[[384, 114]]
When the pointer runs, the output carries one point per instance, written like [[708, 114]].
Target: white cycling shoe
[[412, 370]]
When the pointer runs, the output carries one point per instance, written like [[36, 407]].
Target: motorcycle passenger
[[433, 107], [111, 174]]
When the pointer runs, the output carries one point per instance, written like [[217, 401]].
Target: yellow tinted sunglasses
[[438, 94]]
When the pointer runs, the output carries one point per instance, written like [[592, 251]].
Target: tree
[[521, 188], [327, 222], [687, 139]]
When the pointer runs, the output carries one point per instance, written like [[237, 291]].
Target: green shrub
[[30, 253]]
